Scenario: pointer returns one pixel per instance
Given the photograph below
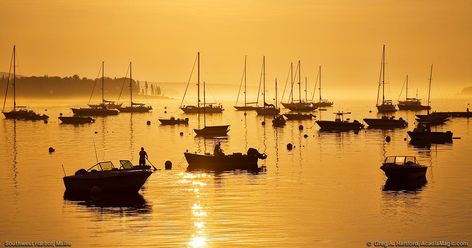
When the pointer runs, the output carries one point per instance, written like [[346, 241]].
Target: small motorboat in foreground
[[403, 168], [222, 162], [173, 121], [423, 134], [386, 122], [104, 177], [339, 124], [76, 119]]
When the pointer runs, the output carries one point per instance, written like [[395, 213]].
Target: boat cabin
[[400, 160]]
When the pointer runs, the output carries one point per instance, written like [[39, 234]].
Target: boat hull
[[413, 107], [385, 123], [246, 108], [434, 118], [212, 131], [386, 108], [135, 109], [94, 111], [404, 173], [236, 161], [323, 104], [339, 126], [201, 110], [430, 137], [24, 115], [129, 181], [174, 121], [299, 116], [267, 111], [76, 119], [299, 107]]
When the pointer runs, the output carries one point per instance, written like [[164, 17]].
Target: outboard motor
[[253, 152]]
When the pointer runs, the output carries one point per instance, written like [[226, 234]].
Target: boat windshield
[[102, 166], [400, 160], [126, 164]]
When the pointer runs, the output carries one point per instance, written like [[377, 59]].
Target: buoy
[[300, 127], [245, 113], [263, 123], [181, 133], [370, 111], [51, 149], [96, 132], [168, 165], [289, 146], [165, 112], [404, 139], [306, 136], [165, 107], [60, 114], [45, 121], [388, 138], [148, 123]]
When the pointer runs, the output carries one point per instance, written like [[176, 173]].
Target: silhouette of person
[[142, 157], [218, 151]]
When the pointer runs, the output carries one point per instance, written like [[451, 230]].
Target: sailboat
[[210, 131], [267, 109], [102, 109], [247, 105], [300, 106], [207, 107], [133, 106], [386, 106], [322, 103], [19, 112], [432, 118], [411, 103], [278, 120]]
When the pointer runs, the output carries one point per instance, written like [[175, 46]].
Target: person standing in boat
[[142, 157]]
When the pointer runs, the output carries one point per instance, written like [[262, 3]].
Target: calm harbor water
[[326, 192]]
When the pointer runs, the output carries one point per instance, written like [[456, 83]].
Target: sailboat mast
[[306, 89], [204, 103], [429, 90], [198, 82], [291, 82], [275, 93], [14, 78], [103, 82], [383, 74], [319, 89], [263, 81], [299, 83], [131, 84], [406, 90], [245, 88]]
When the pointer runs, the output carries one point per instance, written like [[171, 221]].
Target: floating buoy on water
[[245, 113], [96, 132], [370, 111], [181, 133], [388, 138], [51, 149], [289, 146], [45, 121], [404, 139], [300, 127], [305, 136], [168, 165], [165, 112], [263, 123], [148, 123], [165, 107]]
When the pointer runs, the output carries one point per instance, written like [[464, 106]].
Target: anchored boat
[[386, 106], [386, 122], [19, 112], [412, 103], [133, 107], [339, 124], [76, 119], [222, 162], [300, 106], [173, 121], [104, 177], [247, 105], [403, 168], [423, 134]]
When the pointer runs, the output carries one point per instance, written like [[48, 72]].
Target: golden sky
[[162, 37]]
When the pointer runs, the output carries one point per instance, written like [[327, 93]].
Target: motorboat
[[223, 162], [174, 121], [423, 134], [76, 119], [339, 124], [403, 168], [299, 116], [104, 177], [386, 122]]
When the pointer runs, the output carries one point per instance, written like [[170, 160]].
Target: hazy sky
[[162, 38]]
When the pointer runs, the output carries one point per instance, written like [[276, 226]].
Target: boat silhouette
[[339, 124], [386, 106], [412, 103], [222, 162], [247, 105], [134, 107], [386, 122], [423, 134]]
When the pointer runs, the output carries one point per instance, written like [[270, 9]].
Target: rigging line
[[305, 76], [259, 89], [94, 84], [241, 83], [8, 84], [285, 86], [189, 78], [401, 91], [123, 84], [380, 80], [316, 84]]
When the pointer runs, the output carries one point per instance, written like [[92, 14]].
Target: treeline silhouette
[[74, 86]]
